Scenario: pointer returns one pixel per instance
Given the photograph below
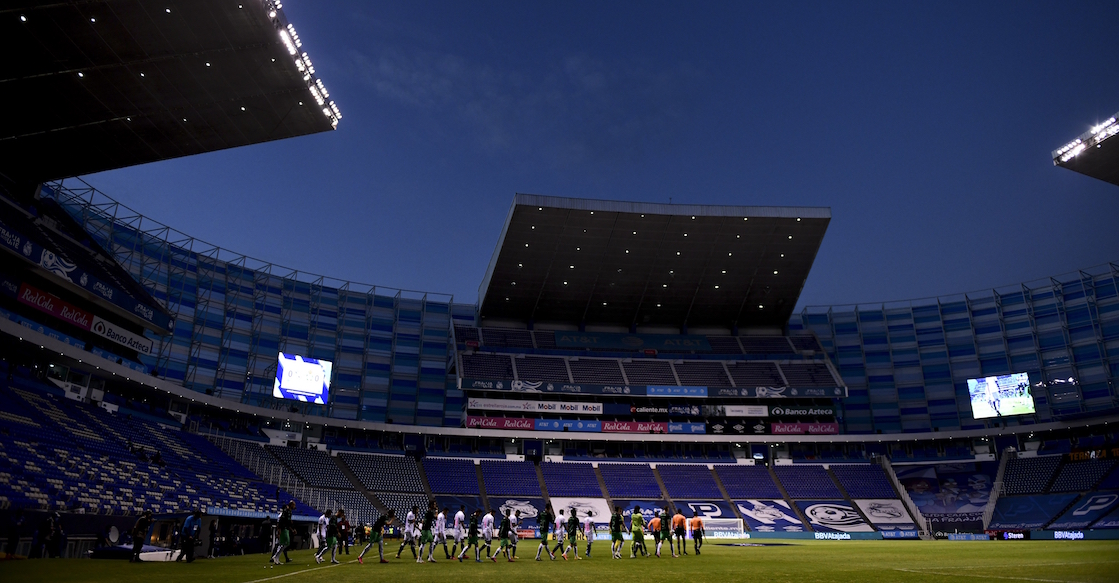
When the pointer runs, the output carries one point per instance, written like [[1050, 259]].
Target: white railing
[[996, 488], [923, 524]]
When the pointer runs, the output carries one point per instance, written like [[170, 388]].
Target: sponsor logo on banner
[[634, 427], [671, 391], [792, 411], [474, 421], [534, 406], [801, 428], [598, 506], [687, 428], [51, 304], [1094, 506], [588, 426], [1068, 535], [832, 536], [121, 336]]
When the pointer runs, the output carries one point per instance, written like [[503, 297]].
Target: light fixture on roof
[[724, 271], [539, 208], [533, 227], [635, 232], [664, 285], [93, 20], [729, 254], [207, 64], [520, 265], [774, 272], [571, 267], [23, 18], [604, 303], [627, 250], [565, 283], [782, 255], [677, 252], [242, 108], [759, 306], [693, 217], [168, 10], [512, 283], [658, 305], [798, 219], [716, 287], [685, 234], [526, 244], [80, 74], [790, 236], [592, 212]]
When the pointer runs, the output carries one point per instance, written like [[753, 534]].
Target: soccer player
[[487, 531], [376, 536], [441, 531], [409, 532], [426, 535], [283, 534], [503, 534], [572, 535], [558, 528], [514, 521], [546, 519], [666, 532], [637, 529], [588, 531], [616, 540], [460, 530], [679, 528], [472, 538], [328, 536], [655, 528], [697, 531]]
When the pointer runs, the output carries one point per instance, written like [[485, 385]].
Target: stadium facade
[[904, 364]]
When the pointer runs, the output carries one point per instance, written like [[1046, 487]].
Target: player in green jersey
[[616, 540], [666, 532], [637, 529], [545, 522], [376, 536], [572, 527], [472, 537], [427, 537], [503, 533]]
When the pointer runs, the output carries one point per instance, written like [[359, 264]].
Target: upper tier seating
[[487, 366], [1029, 475], [805, 343], [464, 334], [539, 368], [598, 371], [724, 345], [385, 473], [451, 476], [570, 479], [755, 374], [747, 482], [315, 467], [505, 478], [630, 481], [358, 508], [689, 481], [507, 337], [698, 373], [649, 372], [864, 481], [813, 374], [807, 482], [765, 344], [1081, 476]]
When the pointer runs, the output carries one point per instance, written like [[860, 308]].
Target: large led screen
[[302, 379], [1000, 396]]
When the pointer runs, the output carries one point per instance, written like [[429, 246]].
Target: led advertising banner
[[534, 406], [1000, 396], [769, 516], [302, 379]]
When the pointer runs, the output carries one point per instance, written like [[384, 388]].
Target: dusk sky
[[925, 127]]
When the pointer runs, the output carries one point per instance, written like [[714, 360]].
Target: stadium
[[620, 355]]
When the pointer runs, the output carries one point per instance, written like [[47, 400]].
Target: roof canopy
[[1095, 153], [576, 261], [96, 85]]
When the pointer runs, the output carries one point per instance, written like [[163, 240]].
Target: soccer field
[[800, 562]]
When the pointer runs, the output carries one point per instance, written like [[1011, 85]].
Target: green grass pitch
[[799, 562]]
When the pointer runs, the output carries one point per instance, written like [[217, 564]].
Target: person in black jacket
[[140, 535]]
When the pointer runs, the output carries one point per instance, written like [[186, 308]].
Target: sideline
[[300, 572], [924, 572]]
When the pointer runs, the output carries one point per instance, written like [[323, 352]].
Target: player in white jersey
[[588, 532], [487, 531], [441, 531], [560, 529], [514, 520], [459, 530], [409, 532]]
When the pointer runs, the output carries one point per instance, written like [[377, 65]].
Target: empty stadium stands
[[630, 481], [807, 481], [1029, 475], [314, 467], [570, 479], [1081, 476], [864, 481], [385, 473], [742, 482], [451, 476], [510, 478], [689, 481]]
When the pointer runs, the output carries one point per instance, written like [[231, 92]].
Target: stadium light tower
[[1094, 153]]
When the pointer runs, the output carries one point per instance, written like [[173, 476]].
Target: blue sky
[[925, 127]]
